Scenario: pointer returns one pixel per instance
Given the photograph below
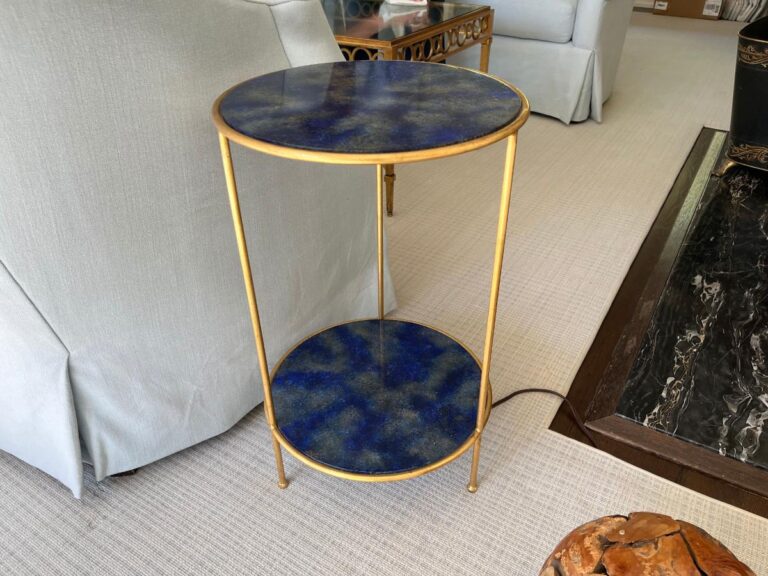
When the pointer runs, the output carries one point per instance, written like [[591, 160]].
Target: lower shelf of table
[[377, 398]]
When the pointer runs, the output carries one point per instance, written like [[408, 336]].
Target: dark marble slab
[[370, 107], [702, 370], [377, 397]]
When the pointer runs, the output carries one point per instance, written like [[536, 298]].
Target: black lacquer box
[[749, 118]]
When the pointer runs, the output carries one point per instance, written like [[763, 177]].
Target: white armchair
[[562, 53], [124, 327]]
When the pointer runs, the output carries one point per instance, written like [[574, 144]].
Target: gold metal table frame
[[509, 132]]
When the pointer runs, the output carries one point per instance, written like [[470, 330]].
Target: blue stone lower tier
[[377, 396], [702, 371]]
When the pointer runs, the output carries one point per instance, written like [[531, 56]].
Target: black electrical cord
[[574, 415]]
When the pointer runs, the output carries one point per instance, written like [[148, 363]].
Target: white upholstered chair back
[[123, 320]]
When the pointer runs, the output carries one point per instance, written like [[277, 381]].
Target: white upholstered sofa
[[562, 53], [124, 329]]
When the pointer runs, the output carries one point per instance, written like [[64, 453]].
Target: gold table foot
[[282, 481], [472, 486]]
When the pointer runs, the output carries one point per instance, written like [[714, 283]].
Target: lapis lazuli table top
[[377, 396], [370, 107]]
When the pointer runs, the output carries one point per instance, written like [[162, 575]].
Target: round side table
[[374, 400]]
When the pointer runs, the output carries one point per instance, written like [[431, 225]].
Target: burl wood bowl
[[644, 544]]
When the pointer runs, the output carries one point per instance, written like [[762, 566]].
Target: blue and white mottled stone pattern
[[370, 107], [377, 397], [702, 371]]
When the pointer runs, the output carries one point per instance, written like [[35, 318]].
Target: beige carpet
[[584, 198]]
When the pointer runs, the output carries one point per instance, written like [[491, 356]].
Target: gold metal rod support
[[501, 235], [380, 234], [245, 263]]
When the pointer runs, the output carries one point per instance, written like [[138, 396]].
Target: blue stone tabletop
[[377, 396], [370, 107]]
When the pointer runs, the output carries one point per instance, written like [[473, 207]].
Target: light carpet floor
[[584, 198]]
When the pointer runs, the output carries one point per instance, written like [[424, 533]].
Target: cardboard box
[[707, 9]]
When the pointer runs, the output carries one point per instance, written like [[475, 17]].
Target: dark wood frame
[[598, 385]]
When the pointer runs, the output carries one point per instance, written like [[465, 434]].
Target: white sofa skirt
[[556, 77]]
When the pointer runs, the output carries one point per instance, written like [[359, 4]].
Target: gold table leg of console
[[501, 235], [485, 54], [245, 263]]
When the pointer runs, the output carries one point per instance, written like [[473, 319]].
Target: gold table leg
[[485, 54], [245, 263], [389, 178], [501, 235]]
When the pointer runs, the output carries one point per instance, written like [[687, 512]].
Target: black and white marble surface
[[702, 371]]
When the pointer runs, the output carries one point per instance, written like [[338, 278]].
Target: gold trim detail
[[439, 47], [432, 44], [748, 54], [743, 35], [352, 53], [747, 153]]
